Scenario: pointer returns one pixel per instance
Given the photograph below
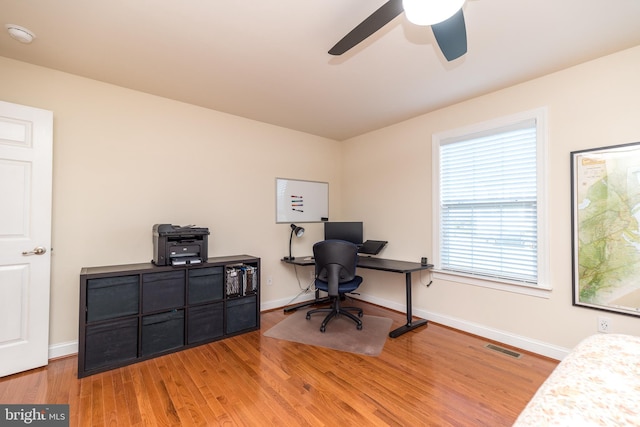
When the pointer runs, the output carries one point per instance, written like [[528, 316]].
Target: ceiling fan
[[448, 27]]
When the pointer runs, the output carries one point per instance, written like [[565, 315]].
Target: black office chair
[[336, 274]]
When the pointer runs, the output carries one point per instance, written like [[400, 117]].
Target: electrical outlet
[[604, 324], [269, 280]]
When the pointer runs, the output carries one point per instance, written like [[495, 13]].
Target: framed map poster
[[605, 224]]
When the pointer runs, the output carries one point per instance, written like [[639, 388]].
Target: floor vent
[[504, 351]]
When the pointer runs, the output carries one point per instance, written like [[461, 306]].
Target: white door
[[26, 142]]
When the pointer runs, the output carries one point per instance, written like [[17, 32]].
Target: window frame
[[542, 288]]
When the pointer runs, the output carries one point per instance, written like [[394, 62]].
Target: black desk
[[381, 264]]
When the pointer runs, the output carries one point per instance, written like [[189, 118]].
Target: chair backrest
[[336, 262]]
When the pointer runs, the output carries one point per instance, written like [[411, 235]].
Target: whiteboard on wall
[[301, 201]]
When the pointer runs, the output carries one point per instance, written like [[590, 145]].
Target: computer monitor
[[349, 231]]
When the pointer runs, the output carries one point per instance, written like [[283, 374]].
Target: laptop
[[372, 247]]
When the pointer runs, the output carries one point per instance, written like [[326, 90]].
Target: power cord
[[302, 290], [422, 275]]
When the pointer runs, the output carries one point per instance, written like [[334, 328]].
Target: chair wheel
[[359, 327], [322, 329], [308, 316]]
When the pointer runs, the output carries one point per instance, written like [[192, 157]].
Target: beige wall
[[592, 105], [125, 160]]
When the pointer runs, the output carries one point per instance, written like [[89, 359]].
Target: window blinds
[[488, 204]]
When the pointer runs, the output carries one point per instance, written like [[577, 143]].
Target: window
[[489, 202]]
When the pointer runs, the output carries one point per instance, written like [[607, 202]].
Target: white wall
[[592, 105], [125, 160]]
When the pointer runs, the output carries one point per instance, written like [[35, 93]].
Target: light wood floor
[[432, 376]]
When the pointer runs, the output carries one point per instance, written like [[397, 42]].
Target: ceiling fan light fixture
[[430, 12], [19, 33]]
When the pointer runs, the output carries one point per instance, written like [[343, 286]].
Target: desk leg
[[411, 325]]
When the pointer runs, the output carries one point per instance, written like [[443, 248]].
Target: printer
[[179, 245]]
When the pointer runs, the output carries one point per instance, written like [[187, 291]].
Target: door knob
[[37, 251]]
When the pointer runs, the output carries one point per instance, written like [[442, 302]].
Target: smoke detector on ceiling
[[19, 33]]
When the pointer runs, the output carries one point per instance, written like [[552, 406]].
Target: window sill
[[493, 283]]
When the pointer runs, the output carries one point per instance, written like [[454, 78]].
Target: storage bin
[[162, 291], [111, 343], [250, 279], [205, 322], [233, 281], [112, 297], [206, 284], [241, 314], [162, 332]]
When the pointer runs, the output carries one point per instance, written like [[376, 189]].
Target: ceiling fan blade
[[451, 36], [373, 23]]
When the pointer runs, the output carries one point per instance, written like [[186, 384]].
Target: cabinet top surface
[[133, 268]]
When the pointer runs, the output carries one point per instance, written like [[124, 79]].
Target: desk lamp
[[298, 231]]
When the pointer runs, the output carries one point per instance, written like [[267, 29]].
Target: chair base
[[336, 310]]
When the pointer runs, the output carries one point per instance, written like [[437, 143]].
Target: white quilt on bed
[[597, 384]]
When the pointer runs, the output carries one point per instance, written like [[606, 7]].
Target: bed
[[597, 384]]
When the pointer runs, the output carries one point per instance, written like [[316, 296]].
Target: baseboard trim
[[63, 349], [281, 303], [518, 341], [539, 347]]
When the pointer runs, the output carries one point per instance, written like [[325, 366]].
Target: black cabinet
[[110, 343], [162, 291], [241, 314], [206, 323], [135, 312], [112, 297], [162, 332], [205, 284]]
